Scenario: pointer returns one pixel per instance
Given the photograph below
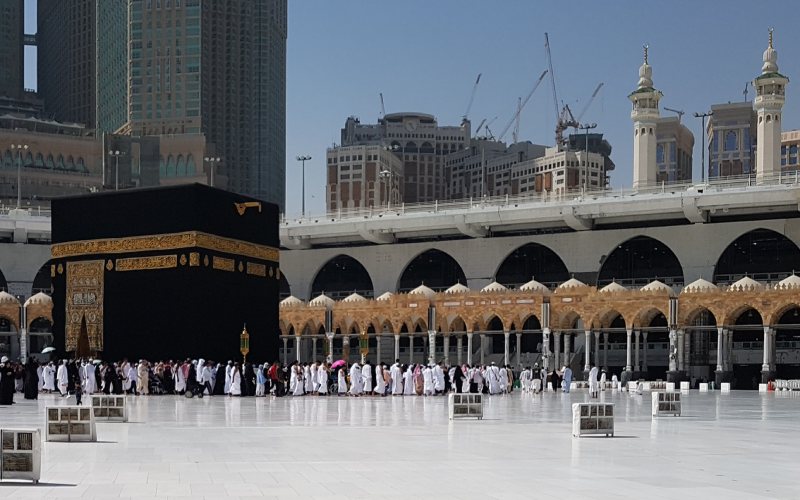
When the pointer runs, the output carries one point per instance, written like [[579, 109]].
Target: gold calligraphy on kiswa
[[85, 285]]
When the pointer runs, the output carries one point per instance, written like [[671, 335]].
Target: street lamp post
[[587, 127], [212, 162], [116, 155], [702, 117], [387, 174], [302, 159], [20, 148]]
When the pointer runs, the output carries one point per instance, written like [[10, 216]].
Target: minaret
[[770, 96], [644, 115]]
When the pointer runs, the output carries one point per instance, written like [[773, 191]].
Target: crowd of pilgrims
[[201, 377]]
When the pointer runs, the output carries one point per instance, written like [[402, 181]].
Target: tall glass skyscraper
[[216, 67], [11, 48], [82, 61]]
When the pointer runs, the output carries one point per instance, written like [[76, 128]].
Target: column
[[629, 334], [330, 347], [519, 349], [313, 349], [396, 347], [346, 348], [637, 366], [469, 348], [597, 349], [567, 348], [681, 338], [556, 349], [605, 349], [506, 347], [446, 346], [588, 343], [545, 348], [729, 347], [483, 346], [459, 348], [432, 347], [298, 342], [410, 348], [719, 348], [285, 350], [772, 335], [644, 351], [767, 349], [378, 348]]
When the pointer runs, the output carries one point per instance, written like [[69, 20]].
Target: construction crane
[[521, 105], [471, 98], [480, 125], [559, 135], [383, 108], [676, 111], [589, 102], [515, 133], [489, 136]]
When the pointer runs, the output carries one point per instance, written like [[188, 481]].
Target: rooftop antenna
[[745, 90]]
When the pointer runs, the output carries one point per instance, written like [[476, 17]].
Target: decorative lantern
[[244, 343]]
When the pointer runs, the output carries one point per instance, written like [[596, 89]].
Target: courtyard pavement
[[732, 446]]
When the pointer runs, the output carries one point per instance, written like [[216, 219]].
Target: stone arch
[[284, 289], [762, 254], [529, 261], [567, 320], [638, 261], [340, 276], [779, 310], [456, 324], [606, 317], [736, 313], [42, 282], [645, 316], [437, 269]]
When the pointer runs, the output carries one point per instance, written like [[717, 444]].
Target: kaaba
[[165, 273]]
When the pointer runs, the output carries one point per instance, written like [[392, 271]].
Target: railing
[[718, 184]]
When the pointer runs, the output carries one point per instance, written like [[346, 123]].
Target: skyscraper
[[11, 48], [82, 61], [218, 68]]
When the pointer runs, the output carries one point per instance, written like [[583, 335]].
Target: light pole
[[703, 116], [20, 148], [587, 127], [116, 154], [212, 161], [387, 174], [302, 159]]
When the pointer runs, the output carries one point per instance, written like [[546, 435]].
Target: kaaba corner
[[165, 273]]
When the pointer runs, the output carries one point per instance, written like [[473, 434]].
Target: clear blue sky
[[424, 56]]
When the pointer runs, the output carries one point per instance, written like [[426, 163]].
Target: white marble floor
[[737, 445]]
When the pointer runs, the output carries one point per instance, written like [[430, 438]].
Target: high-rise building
[[12, 62], [731, 139], [217, 68], [421, 143], [674, 144], [82, 61], [368, 176]]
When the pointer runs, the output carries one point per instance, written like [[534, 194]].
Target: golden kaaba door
[[84, 303]]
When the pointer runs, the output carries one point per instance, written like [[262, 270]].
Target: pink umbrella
[[337, 364]]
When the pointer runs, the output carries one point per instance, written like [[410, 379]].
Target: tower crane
[[590, 101], [383, 108], [676, 111], [521, 105], [471, 97], [559, 134], [515, 133]]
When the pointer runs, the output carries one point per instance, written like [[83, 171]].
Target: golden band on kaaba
[[165, 272]]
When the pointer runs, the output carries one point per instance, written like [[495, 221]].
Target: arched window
[[60, 162], [191, 168], [162, 168], [82, 165], [49, 163], [180, 169], [70, 163], [730, 141], [170, 166], [39, 162]]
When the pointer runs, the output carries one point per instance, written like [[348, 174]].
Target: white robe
[[438, 379], [236, 383], [503, 374], [341, 382], [49, 373], [322, 380], [493, 378], [39, 373], [180, 380], [228, 369], [603, 381], [356, 382], [311, 378], [63, 378], [593, 386], [525, 380], [299, 388], [408, 383], [427, 378], [380, 383], [397, 379], [90, 382], [292, 380], [366, 376]]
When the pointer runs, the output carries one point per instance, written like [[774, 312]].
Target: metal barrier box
[[725, 387], [69, 423], [592, 418], [684, 386], [466, 406], [666, 403], [109, 408], [20, 454]]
